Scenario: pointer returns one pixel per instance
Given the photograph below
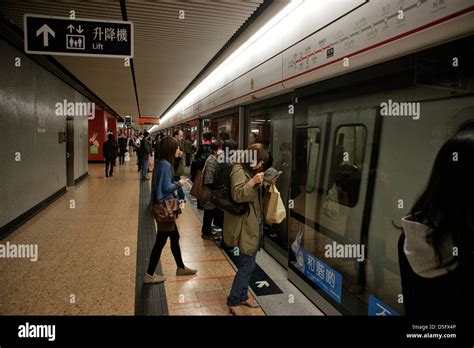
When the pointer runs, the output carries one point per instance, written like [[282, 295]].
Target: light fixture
[[188, 100]]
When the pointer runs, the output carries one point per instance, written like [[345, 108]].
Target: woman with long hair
[[436, 247], [246, 231], [163, 189]]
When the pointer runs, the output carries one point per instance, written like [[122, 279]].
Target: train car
[[353, 107]]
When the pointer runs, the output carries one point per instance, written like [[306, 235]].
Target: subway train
[[353, 107]]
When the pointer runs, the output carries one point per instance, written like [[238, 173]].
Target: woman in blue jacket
[[163, 189]]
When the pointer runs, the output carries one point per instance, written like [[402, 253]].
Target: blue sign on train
[[323, 275], [377, 307]]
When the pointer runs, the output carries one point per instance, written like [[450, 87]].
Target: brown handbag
[[167, 211], [199, 190]]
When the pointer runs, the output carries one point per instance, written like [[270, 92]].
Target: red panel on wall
[[112, 125], [97, 135]]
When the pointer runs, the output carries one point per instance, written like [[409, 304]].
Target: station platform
[[94, 244]]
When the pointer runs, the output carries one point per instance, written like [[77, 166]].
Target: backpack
[[201, 156], [222, 195]]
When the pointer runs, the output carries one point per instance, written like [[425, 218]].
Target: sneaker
[[155, 278], [185, 271]]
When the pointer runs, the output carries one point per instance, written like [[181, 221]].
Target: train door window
[[334, 188], [225, 128], [346, 165], [313, 144], [276, 132], [259, 127]]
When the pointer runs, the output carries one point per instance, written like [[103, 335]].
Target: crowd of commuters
[[244, 182], [435, 246]]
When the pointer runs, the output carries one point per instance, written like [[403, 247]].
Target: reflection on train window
[[313, 145], [346, 165]]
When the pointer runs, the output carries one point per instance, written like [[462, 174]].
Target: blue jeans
[[144, 168], [240, 286]]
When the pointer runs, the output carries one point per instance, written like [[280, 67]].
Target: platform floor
[[88, 242], [84, 266]]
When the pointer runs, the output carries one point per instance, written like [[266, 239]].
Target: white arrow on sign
[[80, 30], [71, 28], [45, 30], [262, 283]]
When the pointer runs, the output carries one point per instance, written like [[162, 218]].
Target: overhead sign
[[128, 122], [78, 37], [148, 120]]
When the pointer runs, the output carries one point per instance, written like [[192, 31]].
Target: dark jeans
[[240, 286], [210, 215], [109, 163], [122, 157], [144, 168], [139, 161], [161, 238]]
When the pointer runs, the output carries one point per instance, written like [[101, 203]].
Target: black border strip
[[23, 218], [366, 215], [81, 178], [150, 299]]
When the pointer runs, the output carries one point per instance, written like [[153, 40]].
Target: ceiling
[[169, 52]]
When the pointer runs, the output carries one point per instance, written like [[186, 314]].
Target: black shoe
[[209, 237], [106, 176]]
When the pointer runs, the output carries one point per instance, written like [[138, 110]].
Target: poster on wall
[[94, 145]]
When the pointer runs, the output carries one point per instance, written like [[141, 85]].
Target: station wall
[[33, 160]]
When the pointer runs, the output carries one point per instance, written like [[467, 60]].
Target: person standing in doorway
[[110, 153], [179, 161], [188, 150]]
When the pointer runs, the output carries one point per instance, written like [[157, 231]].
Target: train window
[[347, 165], [313, 140]]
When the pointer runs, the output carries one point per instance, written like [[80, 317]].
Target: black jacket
[[145, 149], [122, 141], [109, 149], [202, 154]]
